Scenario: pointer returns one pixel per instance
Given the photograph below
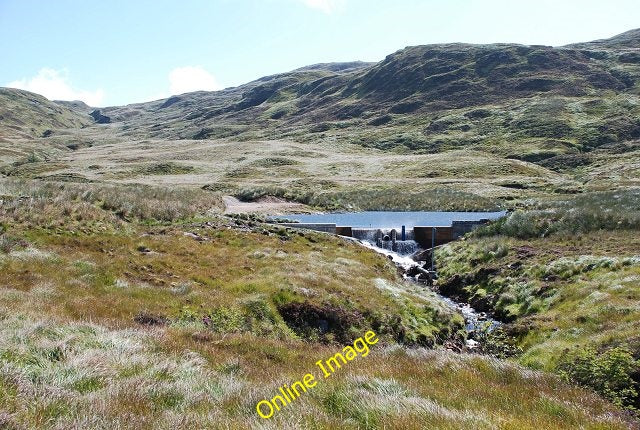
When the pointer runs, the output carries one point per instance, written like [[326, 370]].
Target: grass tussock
[[613, 210], [49, 203]]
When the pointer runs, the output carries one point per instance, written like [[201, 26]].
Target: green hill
[[29, 115]]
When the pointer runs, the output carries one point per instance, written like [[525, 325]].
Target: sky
[[116, 52]]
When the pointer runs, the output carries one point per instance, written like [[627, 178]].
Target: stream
[[393, 235], [473, 319]]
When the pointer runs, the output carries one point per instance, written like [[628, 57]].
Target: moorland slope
[[128, 300]]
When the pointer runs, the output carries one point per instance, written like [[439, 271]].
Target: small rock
[[194, 236], [413, 271]]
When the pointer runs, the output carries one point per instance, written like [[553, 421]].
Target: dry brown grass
[[80, 375], [73, 356]]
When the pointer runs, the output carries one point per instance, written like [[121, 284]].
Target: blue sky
[[116, 52]]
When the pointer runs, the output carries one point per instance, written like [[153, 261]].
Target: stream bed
[[474, 321]]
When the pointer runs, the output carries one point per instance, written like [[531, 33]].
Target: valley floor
[[119, 314], [139, 289]]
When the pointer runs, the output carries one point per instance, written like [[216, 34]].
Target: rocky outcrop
[[99, 118]]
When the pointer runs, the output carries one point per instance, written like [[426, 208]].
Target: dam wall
[[423, 235], [460, 228], [344, 231]]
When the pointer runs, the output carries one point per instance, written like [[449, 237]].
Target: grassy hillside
[[152, 319], [30, 125], [500, 122], [25, 114], [430, 98]]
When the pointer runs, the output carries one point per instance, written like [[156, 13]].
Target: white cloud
[[54, 85], [191, 78], [326, 6]]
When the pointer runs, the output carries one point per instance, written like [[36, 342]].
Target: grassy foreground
[[146, 319]]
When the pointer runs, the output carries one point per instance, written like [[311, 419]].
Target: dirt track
[[264, 205]]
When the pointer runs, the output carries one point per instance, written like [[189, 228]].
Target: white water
[[474, 320], [403, 261], [383, 238]]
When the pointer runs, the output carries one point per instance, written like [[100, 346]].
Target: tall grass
[[57, 375], [127, 202], [611, 210]]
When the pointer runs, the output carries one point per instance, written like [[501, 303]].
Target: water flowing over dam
[[389, 239], [402, 232]]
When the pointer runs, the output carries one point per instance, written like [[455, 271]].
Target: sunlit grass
[[563, 294], [84, 375], [113, 322]]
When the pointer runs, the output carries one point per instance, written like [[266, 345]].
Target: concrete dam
[[403, 240]]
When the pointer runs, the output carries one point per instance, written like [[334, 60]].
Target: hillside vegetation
[[128, 300], [566, 279], [154, 319], [503, 122]]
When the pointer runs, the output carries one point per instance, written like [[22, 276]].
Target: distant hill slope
[[627, 40], [415, 82], [76, 105], [563, 108], [25, 114], [343, 67]]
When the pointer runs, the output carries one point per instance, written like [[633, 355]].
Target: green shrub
[[224, 320], [495, 342], [260, 310], [188, 315], [609, 373]]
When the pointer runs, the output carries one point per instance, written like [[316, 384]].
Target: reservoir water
[[388, 219]]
